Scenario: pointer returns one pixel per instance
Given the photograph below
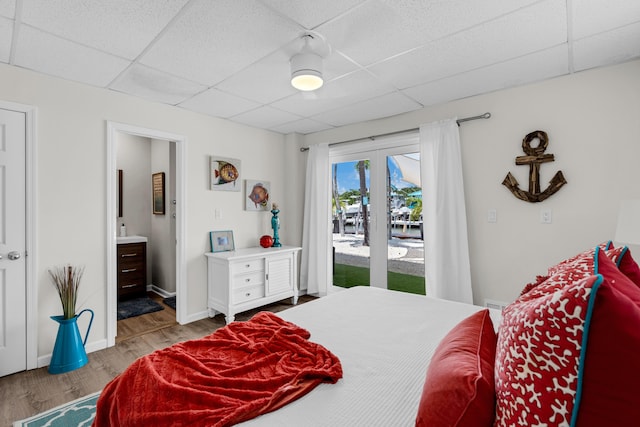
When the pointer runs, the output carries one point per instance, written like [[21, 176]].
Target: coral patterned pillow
[[568, 263], [538, 353]]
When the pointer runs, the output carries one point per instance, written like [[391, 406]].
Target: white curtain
[[315, 266], [447, 269]]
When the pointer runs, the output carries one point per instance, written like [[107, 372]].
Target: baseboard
[[89, 348], [196, 316], [159, 291]]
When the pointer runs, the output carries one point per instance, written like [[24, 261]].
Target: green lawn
[[347, 276]]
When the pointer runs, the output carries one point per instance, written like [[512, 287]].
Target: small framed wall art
[[157, 180], [221, 241], [257, 195], [225, 174]]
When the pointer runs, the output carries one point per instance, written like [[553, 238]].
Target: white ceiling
[[230, 58]]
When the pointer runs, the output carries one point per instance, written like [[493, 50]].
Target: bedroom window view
[[353, 209]]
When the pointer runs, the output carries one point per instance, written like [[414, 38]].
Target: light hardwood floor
[[28, 393], [141, 325]]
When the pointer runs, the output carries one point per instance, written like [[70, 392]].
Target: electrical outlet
[[545, 216]]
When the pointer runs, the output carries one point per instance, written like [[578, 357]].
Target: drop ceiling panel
[[595, 16], [535, 67], [6, 31], [155, 85], [382, 28], [344, 91], [609, 47], [376, 108], [61, 58], [120, 27], [8, 8], [264, 81], [208, 44], [303, 126], [496, 41], [311, 13], [265, 117], [219, 104]]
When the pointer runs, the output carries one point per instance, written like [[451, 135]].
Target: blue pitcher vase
[[68, 352]]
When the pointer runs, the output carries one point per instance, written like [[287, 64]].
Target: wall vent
[[496, 305]]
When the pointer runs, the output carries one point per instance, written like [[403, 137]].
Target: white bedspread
[[384, 340]]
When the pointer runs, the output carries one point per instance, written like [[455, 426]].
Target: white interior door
[[13, 320]]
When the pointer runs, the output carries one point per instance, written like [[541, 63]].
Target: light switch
[[492, 215], [216, 213]]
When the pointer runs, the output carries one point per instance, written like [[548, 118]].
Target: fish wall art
[[225, 174], [257, 195]]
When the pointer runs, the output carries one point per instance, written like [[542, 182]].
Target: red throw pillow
[[538, 354], [610, 372], [459, 388]]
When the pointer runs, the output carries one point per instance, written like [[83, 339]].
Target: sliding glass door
[[377, 223]]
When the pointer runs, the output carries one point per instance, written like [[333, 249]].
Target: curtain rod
[[465, 119]]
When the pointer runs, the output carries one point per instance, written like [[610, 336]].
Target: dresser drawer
[[131, 251], [248, 266], [131, 290], [131, 284], [248, 294], [132, 270], [249, 279]]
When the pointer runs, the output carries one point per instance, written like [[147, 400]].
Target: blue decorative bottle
[[275, 224]]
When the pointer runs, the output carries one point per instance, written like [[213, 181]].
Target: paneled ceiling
[[230, 58]]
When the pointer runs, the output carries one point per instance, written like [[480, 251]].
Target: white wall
[[71, 185], [163, 253], [593, 122]]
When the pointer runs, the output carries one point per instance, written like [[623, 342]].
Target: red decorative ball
[[266, 241]]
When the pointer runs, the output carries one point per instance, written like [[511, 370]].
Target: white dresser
[[248, 278]]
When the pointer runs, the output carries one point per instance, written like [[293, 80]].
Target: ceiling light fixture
[[306, 68]]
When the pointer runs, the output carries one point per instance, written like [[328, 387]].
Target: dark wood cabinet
[[132, 270]]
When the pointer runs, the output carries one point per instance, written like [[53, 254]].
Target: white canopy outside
[[409, 165]]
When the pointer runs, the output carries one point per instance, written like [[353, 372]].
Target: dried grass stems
[[67, 280]]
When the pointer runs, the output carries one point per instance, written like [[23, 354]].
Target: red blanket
[[237, 373]]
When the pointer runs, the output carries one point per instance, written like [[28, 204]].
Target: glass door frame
[[376, 152]]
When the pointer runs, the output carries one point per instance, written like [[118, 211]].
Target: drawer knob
[[128, 255], [247, 265], [248, 294], [128, 270], [247, 280], [129, 286]]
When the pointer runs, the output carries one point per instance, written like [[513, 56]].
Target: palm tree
[[336, 200], [362, 165]]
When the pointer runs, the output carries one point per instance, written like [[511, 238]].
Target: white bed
[[384, 340]]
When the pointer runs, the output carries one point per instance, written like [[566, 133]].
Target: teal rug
[[79, 413]]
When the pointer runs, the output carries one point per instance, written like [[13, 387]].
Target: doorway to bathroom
[[146, 231]]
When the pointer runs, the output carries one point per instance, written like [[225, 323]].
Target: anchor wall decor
[[534, 158]]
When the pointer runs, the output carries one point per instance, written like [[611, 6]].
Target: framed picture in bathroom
[[157, 180]]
